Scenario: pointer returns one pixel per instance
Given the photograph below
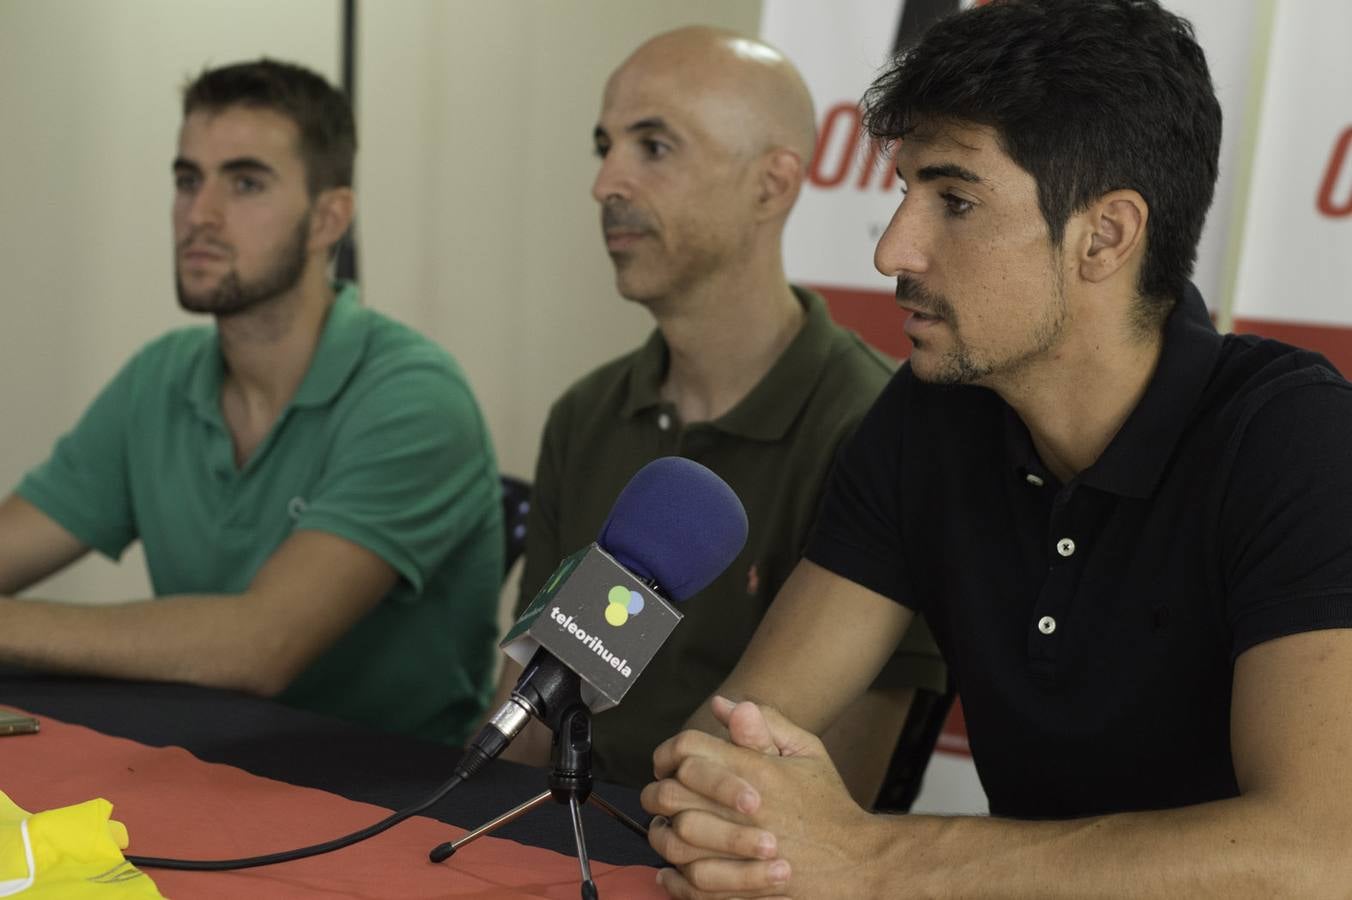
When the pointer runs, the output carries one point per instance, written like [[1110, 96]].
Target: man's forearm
[[780, 800], [207, 640], [1233, 848]]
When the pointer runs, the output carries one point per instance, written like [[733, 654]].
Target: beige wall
[[475, 222]]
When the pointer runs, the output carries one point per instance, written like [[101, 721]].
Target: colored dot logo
[[623, 604]]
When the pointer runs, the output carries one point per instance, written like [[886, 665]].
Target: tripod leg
[[444, 851], [619, 816], [588, 886]]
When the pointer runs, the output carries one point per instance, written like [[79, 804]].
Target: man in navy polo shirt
[[1131, 536], [312, 482]]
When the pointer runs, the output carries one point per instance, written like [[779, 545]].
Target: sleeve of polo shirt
[[542, 520], [1286, 519], [411, 473], [858, 531], [83, 485]]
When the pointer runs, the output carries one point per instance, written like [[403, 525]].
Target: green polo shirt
[[774, 448], [382, 445]]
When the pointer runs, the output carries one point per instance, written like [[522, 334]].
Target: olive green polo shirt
[[382, 445], [774, 448]]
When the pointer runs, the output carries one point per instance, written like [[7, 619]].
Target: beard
[[233, 295], [959, 365]]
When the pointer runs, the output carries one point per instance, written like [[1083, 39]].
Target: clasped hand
[[766, 815]]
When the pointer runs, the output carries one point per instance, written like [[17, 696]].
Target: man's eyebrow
[[652, 123], [247, 164], [642, 126], [948, 170], [239, 164]]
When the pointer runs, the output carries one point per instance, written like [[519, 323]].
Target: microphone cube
[[598, 619]]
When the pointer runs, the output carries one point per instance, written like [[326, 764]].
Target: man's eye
[[957, 206], [654, 149], [185, 183], [247, 184], [601, 150]]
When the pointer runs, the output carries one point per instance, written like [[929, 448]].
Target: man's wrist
[[892, 850]]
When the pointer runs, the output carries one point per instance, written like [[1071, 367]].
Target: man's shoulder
[[852, 361], [396, 353], [390, 338], [853, 377], [1252, 370]]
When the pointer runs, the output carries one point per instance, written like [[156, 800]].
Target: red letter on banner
[[850, 112], [876, 160], [1340, 157]]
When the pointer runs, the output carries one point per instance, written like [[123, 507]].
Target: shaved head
[[705, 137], [742, 87]]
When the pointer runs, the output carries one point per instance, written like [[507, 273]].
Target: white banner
[[1295, 270]]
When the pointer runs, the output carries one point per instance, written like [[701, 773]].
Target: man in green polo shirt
[[312, 483], [704, 138]]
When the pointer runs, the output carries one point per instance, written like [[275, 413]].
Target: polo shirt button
[[663, 421], [1034, 480], [1046, 624], [1065, 546]]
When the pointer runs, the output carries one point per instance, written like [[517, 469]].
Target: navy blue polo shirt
[[1092, 626]]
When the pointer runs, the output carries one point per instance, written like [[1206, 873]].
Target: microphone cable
[[476, 756]]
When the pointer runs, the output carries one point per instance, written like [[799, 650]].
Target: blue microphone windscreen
[[675, 523]]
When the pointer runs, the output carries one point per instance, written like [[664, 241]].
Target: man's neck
[[1074, 403], [267, 351], [722, 338]]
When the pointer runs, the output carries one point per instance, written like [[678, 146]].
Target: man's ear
[[781, 176], [1111, 234], [330, 217]]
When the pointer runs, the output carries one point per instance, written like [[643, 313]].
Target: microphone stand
[[570, 782]]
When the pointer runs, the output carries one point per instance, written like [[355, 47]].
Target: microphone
[[604, 613]]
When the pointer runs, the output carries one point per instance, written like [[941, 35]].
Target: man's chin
[[651, 300], [933, 367], [194, 304], [204, 302], [210, 303], [628, 286]]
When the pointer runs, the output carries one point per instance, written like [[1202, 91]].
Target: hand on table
[[766, 815]]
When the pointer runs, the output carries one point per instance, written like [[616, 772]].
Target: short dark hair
[[322, 113], [1088, 96]]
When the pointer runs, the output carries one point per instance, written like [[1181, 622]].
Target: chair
[[919, 734], [515, 506]]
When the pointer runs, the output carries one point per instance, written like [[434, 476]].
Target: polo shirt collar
[[1134, 461], [341, 345], [645, 376], [765, 413]]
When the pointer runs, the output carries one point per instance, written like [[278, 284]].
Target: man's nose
[[612, 180], [900, 250]]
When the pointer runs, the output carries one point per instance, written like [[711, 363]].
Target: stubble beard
[[664, 266], [233, 295], [959, 365]]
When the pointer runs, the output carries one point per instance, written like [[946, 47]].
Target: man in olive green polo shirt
[[705, 138], [312, 482]]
